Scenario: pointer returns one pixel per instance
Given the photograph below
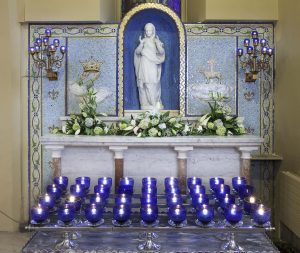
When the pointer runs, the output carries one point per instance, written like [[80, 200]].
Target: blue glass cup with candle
[[39, 214], [228, 199], [151, 181], [233, 214], [245, 191], [54, 190], [148, 199], [171, 182], [205, 215], [62, 182], [125, 199], [126, 185], [261, 216], [251, 203], [47, 201], [103, 190], [215, 181], [197, 189], [149, 214], [237, 181], [199, 200], [174, 199], [221, 190], [78, 190], [74, 201], [152, 190], [172, 190], [98, 199], [66, 215], [126, 181], [193, 181], [84, 181], [93, 214], [105, 181], [177, 216], [121, 215]]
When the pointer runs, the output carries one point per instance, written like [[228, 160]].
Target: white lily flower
[[200, 129], [77, 132], [135, 130], [64, 129], [133, 122], [204, 119]]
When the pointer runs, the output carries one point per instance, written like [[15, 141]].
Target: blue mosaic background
[[167, 32]]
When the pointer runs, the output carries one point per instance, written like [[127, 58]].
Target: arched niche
[[171, 32]]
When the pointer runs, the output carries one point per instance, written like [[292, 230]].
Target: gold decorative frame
[[182, 63]]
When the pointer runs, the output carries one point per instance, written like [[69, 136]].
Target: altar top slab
[[196, 141]]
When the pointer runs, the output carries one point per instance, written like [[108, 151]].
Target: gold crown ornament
[[91, 65]]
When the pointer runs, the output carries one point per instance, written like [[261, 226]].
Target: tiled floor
[[12, 242]]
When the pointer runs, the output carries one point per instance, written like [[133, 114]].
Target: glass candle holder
[[123, 199], [193, 181], [93, 213], [54, 190], [149, 181], [97, 199], [121, 213], [105, 181], [148, 199], [261, 215], [172, 190], [227, 200], [147, 189], [233, 214], [245, 191], [47, 201], [78, 190], [197, 190], [237, 181], [126, 181], [215, 181], [200, 200], [84, 181], [74, 201], [205, 214], [62, 182], [171, 182], [103, 190], [174, 199], [66, 213], [221, 190], [39, 214], [125, 189], [177, 214], [251, 203], [149, 214]]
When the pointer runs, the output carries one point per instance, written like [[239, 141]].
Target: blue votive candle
[[105, 181], [97, 199], [77, 190], [74, 201], [250, 204], [54, 190], [84, 181], [177, 214], [148, 199], [121, 213], [103, 190], [123, 199], [221, 190], [149, 181], [245, 191], [149, 213], [236, 181], [171, 182], [62, 182], [47, 201], [66, 213], [261, 215], [93, 213], [205, 214], [197, 189], [227, 200], [199, 200], [174, 199], [39, 213], [152, 190], [215, 181], [193, 181], [233, 214]]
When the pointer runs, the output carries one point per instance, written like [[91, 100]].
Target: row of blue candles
[[149, 209]]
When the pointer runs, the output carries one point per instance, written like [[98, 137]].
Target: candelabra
[[44, 55], [257, 57]]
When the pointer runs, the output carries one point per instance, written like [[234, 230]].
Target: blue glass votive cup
[[172, 190], [126, 181], [228, 199], [221, 190], [205, 214], [236, 181], [233, 214], [97, 199], [121, 213], [39, 213], [215, 181], [103, 190], [193, 181], [78, 190], [199, 200], [171, 182], [147, 189], [47, 201], [93, 213], [149, 213], [245, 191], [84, 181], [177, 214], [125, 189], [54, 190], [148, 199], [125, 199], [62, 182], [261, 215], [251, 204], [66, 213], [74, 201], [197, 190], [105, 181], [174, 199], [149, 181]]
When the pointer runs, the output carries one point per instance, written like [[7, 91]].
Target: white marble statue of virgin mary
[[148, 59]]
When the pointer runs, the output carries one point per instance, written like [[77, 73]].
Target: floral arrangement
[[217, 122], [85, 123]]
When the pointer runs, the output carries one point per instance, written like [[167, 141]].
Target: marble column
[[119, 162], [246, 162], [56, 159], [182, 166]]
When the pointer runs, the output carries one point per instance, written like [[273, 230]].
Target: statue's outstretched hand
[[141, 40]]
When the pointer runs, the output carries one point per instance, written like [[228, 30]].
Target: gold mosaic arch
[[182, 67]]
